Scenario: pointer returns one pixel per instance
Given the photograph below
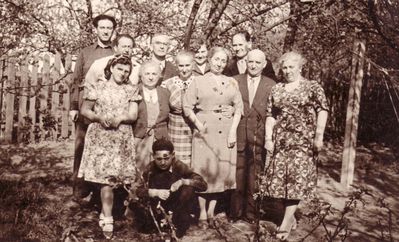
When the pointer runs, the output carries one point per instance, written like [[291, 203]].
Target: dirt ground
[[35, 190]]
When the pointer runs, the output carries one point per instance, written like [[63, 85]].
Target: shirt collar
[[100, 44], [255, 78]]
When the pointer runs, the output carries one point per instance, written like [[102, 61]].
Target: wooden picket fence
[[34, 101]]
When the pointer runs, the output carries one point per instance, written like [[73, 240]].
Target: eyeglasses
[[161, 43]]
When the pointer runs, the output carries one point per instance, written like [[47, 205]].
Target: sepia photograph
[[199, 120]]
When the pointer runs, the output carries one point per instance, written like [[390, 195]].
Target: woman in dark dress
[[297, 115]]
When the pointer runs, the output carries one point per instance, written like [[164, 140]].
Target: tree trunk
[[190, 23], [293, 24], [216, 13]]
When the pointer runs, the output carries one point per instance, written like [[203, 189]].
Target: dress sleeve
[[269, 104], [133, 91], [175, 100], [190, 97], [237, 100], [318, 97], [91, 90]]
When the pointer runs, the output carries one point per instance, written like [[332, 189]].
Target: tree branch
[[190, 23]]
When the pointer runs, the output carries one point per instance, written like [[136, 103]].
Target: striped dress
[[179, 127]]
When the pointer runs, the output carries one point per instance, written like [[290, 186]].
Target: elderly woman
[[214, 152], [179, 127], [110, 104], [153, 113], [295, 123]]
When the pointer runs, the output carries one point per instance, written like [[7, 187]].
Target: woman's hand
[[269, 145], [317, 143], [228, 111], [104, 121], [115, 122], [231, 139], [201, 127]]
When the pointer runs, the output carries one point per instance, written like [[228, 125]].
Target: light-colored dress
[[291, 173], [109, 152], [179, 130], [211, 158]]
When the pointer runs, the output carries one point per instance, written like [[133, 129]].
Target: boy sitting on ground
[[170, 183]]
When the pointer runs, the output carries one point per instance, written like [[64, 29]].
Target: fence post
[[2, 80], [34, 90], [44, 95], [55, 97], [65, 99], [10, 97], [352, 114], [23, 99]]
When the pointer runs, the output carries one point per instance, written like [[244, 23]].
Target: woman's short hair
[[195, 44], [217, 49], [292, 55], [118, 59], [184, 53], [149, 63]]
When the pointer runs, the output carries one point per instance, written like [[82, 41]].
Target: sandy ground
[[50, 163]]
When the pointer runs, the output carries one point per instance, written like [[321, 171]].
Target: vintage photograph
[[199, 120]]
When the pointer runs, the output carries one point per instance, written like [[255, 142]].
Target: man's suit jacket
[[161, 125], [251, 129], [170, 70], [232, 69]]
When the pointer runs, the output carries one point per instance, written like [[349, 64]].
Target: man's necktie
[[251, 90]]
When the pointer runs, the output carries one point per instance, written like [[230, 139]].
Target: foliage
[[323, 30]]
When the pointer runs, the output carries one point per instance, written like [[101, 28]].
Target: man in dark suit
[[160, 46], [255, 89], [242, 43]]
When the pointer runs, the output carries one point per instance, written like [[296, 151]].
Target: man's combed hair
[[162, 144], [104, 17]]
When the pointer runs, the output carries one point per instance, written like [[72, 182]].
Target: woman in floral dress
[[214, 155], [109, 151], [297, 115]]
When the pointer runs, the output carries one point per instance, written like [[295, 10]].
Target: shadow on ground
[[35, 190]]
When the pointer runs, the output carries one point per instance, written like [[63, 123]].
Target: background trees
[[324, 30]]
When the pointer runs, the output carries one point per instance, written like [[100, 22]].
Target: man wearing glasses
[[160, 47]]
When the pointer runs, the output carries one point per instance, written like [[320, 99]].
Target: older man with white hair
[[160, 44], [254, 88]]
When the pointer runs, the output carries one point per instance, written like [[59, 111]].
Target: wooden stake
[[352, 114]]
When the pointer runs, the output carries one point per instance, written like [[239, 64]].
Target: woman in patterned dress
[[297, 116], [110, 104], [214, 155], [179, 126]]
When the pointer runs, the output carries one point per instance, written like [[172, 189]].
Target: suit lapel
[[260, 93], [160, 103], [242, 83]]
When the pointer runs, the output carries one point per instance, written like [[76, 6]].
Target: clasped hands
[[164, 194], [109, 122]]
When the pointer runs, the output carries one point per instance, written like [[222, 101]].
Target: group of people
[[194, 129]]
